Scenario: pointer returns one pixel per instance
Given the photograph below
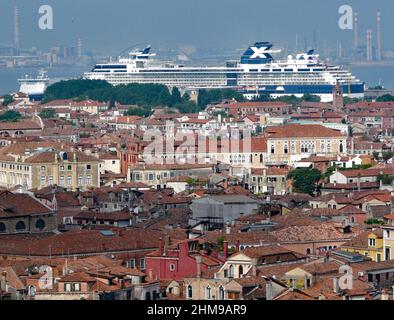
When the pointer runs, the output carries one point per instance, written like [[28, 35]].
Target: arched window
[[20, 226], [40, 224], [240, 271], [2, 227], [341, 147], [221, 293], [189, 291], [231, 272], [308, 251], [208, 292]]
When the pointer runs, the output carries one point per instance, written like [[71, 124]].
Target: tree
[[47, 113], [385, 97], [7, 100], [374, 221], [141, 112], [387, 155], [10, 116], [175, 96], [305, 180], [311, 98], [206, 97], [387, 179]]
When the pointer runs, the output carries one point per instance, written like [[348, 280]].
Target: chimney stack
[[3, 283], [199, 262], [355, 31], [335, 285], [378, 37], [225, 249]]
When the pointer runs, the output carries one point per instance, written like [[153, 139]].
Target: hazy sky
[[111, 26]]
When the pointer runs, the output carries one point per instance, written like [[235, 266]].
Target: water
[[372, 76], [9, 77]]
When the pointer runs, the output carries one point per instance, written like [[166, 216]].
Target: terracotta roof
[[19, 204], [302, 131]]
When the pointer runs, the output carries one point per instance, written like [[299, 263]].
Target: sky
[[110, 26]]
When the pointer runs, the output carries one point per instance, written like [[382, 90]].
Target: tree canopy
[[206, 97], [305, 180], [146, 96], [47, 113], [10, 116], [385, 98]]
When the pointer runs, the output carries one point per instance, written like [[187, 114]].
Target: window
[[43, 168], [372, 242], [20, 226], [240, 271], [43, 180], [69, 180], [80, 180], [40, 224], [208, 293], [89, 180], [172, 267], [2, 227], [67, 287], [69, 167], [61, 168], [77, 287], [131, 263], [50, 180], [221, 293], [189, 291], [231, 272], [142, 264], [61, 181], [88, 167]]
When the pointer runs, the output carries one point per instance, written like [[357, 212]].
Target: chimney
[[166, 244], [199, 261], [237, 245], [254, 267], [269, 295], [3, 286], [150, 274], [161, 247], [225, 249], [335, 285]]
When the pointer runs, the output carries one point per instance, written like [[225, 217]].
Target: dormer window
[[371, 242]]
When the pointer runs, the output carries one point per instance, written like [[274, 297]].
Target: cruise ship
[[257, 72], [34, 87]]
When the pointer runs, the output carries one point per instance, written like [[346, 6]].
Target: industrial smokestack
[[355, 30], [79, 48], [369, 44], [16, 29], [378, 37]]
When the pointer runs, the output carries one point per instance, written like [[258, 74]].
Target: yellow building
[[293, 142], [37, 166], [368, 243], [388, 237]]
